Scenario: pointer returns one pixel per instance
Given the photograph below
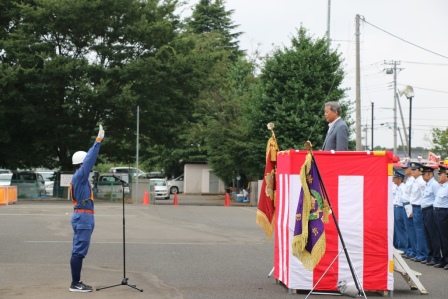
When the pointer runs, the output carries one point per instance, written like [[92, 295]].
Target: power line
[[427, 63], [441, 91], [404, 39]]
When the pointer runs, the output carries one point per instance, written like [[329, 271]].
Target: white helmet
[[78, 157]]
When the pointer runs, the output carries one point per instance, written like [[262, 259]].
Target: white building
[[200, 179]]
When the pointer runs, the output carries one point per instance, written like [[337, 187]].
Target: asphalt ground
[[198, 249]]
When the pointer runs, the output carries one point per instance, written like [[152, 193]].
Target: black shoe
[[423, 262], [413, 259], [80, 287], [446, 267], [430, 263], [405, 256], [440, 265]]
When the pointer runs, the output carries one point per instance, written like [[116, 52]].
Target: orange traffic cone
[[227, 200], [146, 198], [175, 202]]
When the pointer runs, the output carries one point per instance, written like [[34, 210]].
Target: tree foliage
[[294, 85], [440, 142], [68, 65], [212, 17]]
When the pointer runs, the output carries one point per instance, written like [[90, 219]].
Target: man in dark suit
[[337, 136]]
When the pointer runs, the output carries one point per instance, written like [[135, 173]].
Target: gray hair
[[334, 106]]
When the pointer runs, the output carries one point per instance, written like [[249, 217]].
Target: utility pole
[[328, 20], [372, 124], [395, 71], [358, 88]]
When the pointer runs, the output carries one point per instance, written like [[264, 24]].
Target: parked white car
[[176, 185], [160, 188], [123, 170], [5, 179]]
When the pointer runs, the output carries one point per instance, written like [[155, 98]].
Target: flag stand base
[[355, 276]]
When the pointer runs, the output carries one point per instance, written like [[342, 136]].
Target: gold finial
[[308, 146], [271, 128]]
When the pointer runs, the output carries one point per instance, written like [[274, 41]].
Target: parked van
[[131, 170], [109, 187], [160, 188], [29, 183], [176, 185]]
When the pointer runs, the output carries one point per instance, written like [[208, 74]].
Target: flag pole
[[308, 146]]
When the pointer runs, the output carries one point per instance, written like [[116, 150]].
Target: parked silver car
[[49, 181], [176, 185]]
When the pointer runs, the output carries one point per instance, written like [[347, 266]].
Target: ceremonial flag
[[266, 202], [308, 243]]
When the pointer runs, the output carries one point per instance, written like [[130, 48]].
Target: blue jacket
[[80, 182]]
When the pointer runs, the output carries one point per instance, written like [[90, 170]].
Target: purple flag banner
[[308, 243]]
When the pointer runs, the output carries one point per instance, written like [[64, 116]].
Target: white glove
[[100, 134]]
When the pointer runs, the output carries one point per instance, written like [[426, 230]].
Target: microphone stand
[[125, 279]]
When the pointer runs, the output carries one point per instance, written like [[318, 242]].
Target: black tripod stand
[[125, 279]]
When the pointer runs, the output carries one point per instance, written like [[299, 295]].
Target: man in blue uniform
[[429, 225], [82, 219], [408, 222], [398, 189], [441, 216], [417, 192]]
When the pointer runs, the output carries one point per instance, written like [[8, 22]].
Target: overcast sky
[[267, 24]]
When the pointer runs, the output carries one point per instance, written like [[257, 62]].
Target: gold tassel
[[262, 221], [299, 241], [310, 260]]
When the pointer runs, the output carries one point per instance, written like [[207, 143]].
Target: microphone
[[121, 180]]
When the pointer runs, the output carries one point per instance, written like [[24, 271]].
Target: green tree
[[295, 83], [213, 17], [440, 142], [226, 130], [68, 65]]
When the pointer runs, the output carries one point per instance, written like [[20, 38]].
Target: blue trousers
[[431, 235], [417, 218], [441, 218], [82, 224], [400, 236], [410, 232]]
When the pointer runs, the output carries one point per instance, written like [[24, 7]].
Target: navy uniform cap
[[407, 165], [416, 166], [398, 174], [427, 169], [442, 169]]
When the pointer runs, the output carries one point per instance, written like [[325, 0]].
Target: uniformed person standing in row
[[441, 216], [398, 189], [417, 191], [409, 224], [429, 225]]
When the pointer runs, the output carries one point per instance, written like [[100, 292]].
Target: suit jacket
[[337, 137]]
